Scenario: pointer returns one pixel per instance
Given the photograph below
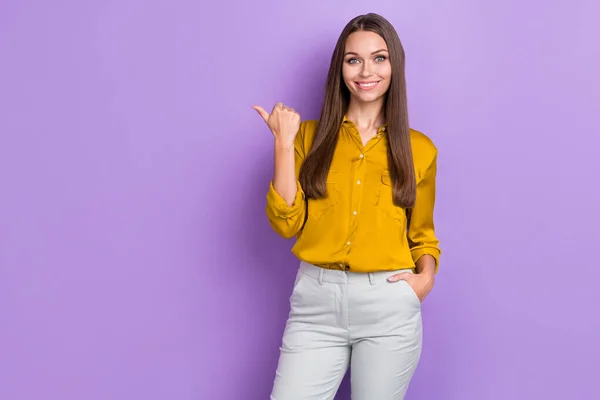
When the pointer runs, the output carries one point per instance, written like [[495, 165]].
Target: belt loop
[[371, 278], [321, 272]]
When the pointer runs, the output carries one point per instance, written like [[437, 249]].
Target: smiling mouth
[[366, 85]]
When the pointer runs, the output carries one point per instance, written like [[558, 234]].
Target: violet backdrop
[[136, 260]]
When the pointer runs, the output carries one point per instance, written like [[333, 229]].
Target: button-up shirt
[[357, 226]]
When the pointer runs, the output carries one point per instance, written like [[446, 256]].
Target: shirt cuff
[[280, 207]]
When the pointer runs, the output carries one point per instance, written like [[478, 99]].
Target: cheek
[[386, 71], [346, 73], [386, 87], [348, 76]]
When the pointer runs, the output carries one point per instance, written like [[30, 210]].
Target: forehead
[[364, 42]]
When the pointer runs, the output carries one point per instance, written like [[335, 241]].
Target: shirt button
[[362, 155], [348, 243], [354, 212], [383, 129], [358, 182]]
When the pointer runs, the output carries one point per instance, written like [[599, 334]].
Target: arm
[[424, 245], [286, 205], [284, 173]]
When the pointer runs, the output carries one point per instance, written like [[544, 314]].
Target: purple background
[[136, 261]]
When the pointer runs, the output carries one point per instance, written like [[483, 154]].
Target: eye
[[380, 58], [352, 60]]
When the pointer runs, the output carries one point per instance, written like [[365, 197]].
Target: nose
[[365, 71]]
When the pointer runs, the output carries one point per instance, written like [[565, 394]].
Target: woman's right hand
[[284, 123]]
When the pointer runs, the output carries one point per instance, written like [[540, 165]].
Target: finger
[[261, 111], [403, 276], [278, 105]]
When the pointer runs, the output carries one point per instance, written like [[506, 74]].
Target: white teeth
[[367, 84]]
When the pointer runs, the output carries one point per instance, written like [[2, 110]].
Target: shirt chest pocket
[[316, 207], [385, 199]]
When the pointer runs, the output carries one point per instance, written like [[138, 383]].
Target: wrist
[[282, 146], [426, 271]]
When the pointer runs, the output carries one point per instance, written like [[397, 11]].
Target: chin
[[368, 97]]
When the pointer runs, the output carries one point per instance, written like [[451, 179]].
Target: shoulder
[[308, 128], [423, 149], [305, 135]]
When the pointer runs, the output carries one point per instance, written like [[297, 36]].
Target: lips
[[366, 85]]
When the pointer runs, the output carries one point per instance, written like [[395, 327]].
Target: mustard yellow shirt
[[357, 227]]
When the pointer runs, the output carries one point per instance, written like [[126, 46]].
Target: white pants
[[339, 319]]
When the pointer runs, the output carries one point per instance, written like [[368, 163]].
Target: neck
[[366, 115]]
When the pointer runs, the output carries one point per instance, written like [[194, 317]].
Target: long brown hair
[[314, 170]]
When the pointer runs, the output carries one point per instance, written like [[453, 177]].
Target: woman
[[357, 190]]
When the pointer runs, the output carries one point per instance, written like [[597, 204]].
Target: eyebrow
[[375, 52]]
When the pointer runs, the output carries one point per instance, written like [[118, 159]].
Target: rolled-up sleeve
[[288, 220], [421, 230]]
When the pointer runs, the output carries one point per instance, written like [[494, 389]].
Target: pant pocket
[[411, 293], [300, 276]]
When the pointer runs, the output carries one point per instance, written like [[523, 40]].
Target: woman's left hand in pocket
[[421, 283]]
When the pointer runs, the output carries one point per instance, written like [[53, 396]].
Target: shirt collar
[[347, 121]]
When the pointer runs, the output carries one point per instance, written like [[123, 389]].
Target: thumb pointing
[[261, 111]]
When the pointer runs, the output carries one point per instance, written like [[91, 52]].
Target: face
[[366, 70]]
